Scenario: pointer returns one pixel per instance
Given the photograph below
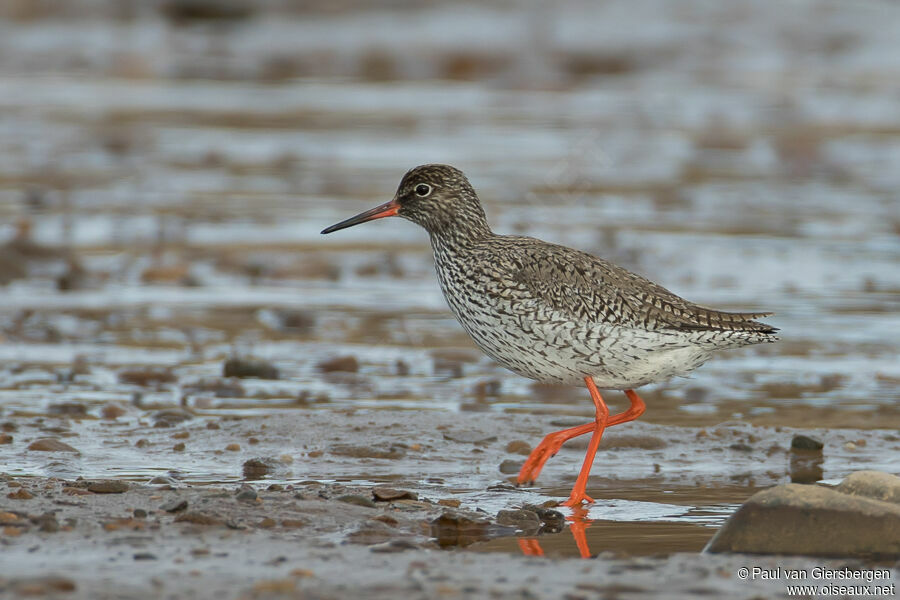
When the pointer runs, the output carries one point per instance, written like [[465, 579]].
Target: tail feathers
[[715, 320]]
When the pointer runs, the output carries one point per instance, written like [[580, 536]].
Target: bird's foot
[[577, 499]]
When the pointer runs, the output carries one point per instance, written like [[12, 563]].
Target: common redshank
[[555, 314]]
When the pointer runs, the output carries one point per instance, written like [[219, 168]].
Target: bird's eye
[[423, 189]]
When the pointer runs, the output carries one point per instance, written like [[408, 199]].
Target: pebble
[[144, 556], [394, 546], [804, 442], [112, 411], [357, 500], [256, 468], [5, 438], [174, 505], [343, 364], [163, 480], [140, 513], [386, 494], [451, 502], [179, 447], [67, 409], [51, 445], [519, 447], [170, 418], [249, 367], [233, 447], [246, 493], [108, 486], [20, 494]]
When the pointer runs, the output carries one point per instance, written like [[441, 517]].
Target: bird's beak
[[388, 209]]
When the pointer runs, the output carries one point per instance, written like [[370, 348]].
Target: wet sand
[[318, 503]]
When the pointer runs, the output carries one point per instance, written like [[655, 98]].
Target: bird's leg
[[551, 444], [579, 494]]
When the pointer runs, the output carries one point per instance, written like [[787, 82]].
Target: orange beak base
[[388, 209]]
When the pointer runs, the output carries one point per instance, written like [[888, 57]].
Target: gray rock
[[814, 520]]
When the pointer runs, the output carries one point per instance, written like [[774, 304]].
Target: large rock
[[860, 517]]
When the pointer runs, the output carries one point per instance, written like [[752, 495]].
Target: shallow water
[[168, 184]]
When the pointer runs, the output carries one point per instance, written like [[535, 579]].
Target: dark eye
[[423, 189]]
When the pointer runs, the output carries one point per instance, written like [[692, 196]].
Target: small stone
[[293, 523], [246, 493], [20, 494], [509, 467], [171, 418], [451, 502], [47, 523], [249, 367], [456, 529], [174, 505], [144, 556], [142, 443], [267, 523], [386, 494], [140, 513], [849, 446], [233, 447], [394, 546], [112, 411], [257, 468], [344, 364], [357, 500], [5, 438], [803, 442], [181, 435], [67, 409], [163, 480], [108, 486], [51, 445], [179, 447], [741, 447], [526, 520], [519, 447]]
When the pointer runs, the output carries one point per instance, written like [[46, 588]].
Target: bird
[[556, 314]]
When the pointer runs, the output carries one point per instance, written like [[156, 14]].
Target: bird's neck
[[454, 239]]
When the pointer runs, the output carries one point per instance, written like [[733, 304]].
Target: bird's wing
[[585, 287]]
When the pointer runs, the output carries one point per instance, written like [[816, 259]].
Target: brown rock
[[51, 445], [5, 438], [249, 367], [112, 411], [147, 377], [386, 494], [872, 484], [519, 447], [108, 486], [346, 364], [812, 520], [20, 494]]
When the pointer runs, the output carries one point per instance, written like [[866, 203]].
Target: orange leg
[[551, 444], [579, 494], [530, 547]]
